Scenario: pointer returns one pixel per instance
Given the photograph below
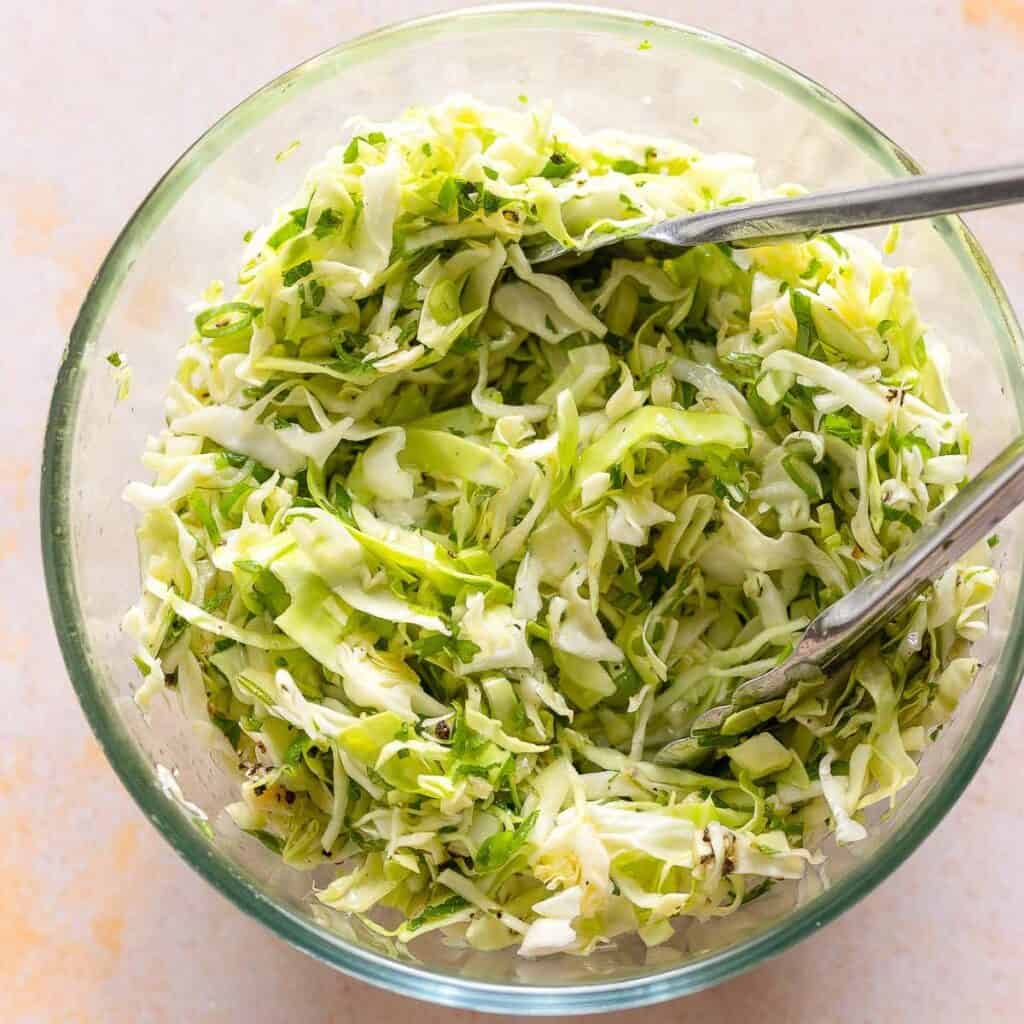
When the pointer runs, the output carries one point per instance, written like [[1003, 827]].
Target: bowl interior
[[592, 67]]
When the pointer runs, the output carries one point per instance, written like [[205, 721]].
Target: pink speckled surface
[[100, 923]]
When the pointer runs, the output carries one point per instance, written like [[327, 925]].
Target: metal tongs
[[838, 631], [802, 217]]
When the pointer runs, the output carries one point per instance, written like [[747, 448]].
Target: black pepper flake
[[289, 797], [443, 731]]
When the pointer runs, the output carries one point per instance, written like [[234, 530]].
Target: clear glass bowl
[[591, 64]]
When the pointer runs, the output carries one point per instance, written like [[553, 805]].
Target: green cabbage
[[446, 554]]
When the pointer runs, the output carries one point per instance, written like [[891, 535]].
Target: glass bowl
[[597, 66]]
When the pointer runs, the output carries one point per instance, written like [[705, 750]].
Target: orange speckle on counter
[[121, 854], [14, 482], [30, 951], [42, 227], [1008, 12], [80, 261], [91, 763], [106, 929], [15, 771], [145, 299], [8, 543], [38, 215], [62, 936], [13, 646]]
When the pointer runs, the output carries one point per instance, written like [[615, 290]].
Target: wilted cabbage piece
[[446, 553]]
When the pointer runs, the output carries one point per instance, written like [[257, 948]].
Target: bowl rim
[[135, 772]]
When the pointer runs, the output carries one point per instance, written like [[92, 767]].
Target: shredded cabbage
[[450, 552]]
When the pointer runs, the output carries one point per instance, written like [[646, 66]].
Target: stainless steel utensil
[[964, 520], [774, 220]]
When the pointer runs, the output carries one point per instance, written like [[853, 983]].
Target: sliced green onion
[[226, 319]]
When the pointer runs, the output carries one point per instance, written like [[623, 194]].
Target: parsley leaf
[[498, 849], [327, 222], [297, 273], [627, 167], [559, 165]]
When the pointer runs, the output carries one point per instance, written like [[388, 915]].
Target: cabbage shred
[[445, 553]]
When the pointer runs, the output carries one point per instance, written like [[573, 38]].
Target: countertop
[[100, 922]]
